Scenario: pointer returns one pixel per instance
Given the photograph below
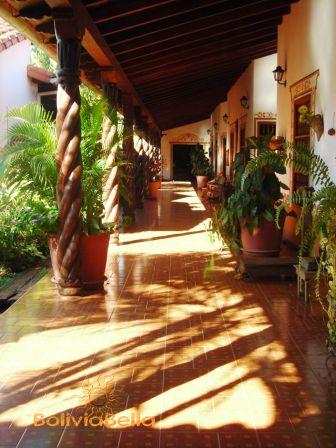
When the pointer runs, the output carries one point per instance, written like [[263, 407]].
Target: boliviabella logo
[[86, 420], [103, 402]]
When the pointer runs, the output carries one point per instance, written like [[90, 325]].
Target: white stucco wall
[[182, 134], [242, 87], [306, 42], [217, 117], [264, 86], [15, 87], [258, 85]]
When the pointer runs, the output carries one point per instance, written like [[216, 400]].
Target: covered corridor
[[214, 361]]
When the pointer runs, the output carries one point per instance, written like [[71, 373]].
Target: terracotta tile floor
[[209, 360]]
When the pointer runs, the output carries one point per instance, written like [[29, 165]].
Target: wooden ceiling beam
[[199, 35], [202, 45], [216, 67], [199, 90], [187, 69], [108, 11], [230, 10], [189, 82], [96, 46], [202, 57], [146, 17]]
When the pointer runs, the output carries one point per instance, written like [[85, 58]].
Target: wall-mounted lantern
[[209, 131], [278, 75], [225, 118], [244, 102]]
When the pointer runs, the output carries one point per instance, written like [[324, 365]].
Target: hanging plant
[[314, 121]]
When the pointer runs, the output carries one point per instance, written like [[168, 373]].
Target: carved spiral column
[[139, 166], [110, 145], [68, 154], [151, 156], [129, 153], [145, 146]]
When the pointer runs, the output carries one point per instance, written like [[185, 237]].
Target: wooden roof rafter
[[178, 58]]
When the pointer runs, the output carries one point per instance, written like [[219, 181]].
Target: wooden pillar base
[[70, 291]]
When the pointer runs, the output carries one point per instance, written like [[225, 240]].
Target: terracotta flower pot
[[202, 181], [289, 231], [94, 249], [265, 240], [276, 143], [153, 189]]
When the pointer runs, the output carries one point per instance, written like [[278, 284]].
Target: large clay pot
[[202, 181], [153, 189], [289, 232], [265, 240], [94, 250]]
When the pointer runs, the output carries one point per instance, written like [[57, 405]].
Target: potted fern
[[200, 166], [29, 164], [319, 238], [247, 221], [154, 182]]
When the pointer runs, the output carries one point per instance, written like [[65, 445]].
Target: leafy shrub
[[200, 165], [24, 225]]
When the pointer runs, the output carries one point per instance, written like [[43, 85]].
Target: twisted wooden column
[[139, 168], [145, 146], [151, 155], [129, 153], [111, 148], [68, 154]]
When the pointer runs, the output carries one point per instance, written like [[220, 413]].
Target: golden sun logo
[[101, 396]]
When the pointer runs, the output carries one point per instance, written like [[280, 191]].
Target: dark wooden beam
[[145, 17], [221, 10], [97, 47], [216, 67], [202, 45], [104, 10], [187, 59], [220, 29]]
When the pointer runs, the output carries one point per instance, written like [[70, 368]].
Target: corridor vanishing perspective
[[179, 350]]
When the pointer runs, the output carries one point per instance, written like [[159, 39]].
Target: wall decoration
[[265, 115], [188, 137], [314, 121], [332, 131]]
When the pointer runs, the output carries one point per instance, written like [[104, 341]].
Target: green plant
[[41, 59], [319, 205], [6, 275], [304, 114], [200, 165], [257, 190], [29, 157], [155, 167], [24, 224]]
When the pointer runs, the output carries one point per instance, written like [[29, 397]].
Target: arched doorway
[[181, 149]]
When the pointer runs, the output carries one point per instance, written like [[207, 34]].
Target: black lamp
[[278, 75], [225, 118], [244, 102]]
